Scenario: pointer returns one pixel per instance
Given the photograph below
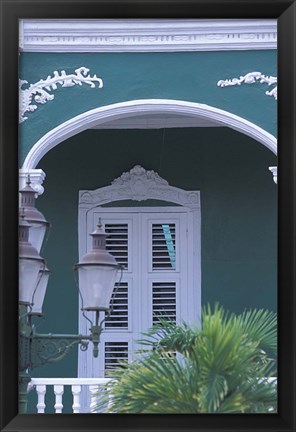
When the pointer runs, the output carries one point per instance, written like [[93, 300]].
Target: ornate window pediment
[[139, 184]]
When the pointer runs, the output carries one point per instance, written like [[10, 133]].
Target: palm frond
[[166, 335], [261, 326], [222, 367]]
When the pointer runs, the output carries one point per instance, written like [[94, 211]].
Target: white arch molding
[[108, 113]]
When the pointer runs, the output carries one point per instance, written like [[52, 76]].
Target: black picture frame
[[285, 11]]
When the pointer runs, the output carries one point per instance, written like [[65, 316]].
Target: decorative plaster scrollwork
[[86, 198], [137, 182], [139, 185], [251, 78], [139, 172], [38, 92]]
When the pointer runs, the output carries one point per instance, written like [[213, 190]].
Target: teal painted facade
[[238, 211], [238, 195], [187, 76]]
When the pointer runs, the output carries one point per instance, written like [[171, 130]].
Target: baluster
[[93, 391], [41, 390], [109, 398], [58, 391], [76, 390]]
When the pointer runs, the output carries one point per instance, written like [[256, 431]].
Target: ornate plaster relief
[[39, 92], [139, 184], [251, 78]]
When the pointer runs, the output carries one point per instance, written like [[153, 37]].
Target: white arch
[[133, 108]]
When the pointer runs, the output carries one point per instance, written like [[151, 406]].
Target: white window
[[159, 248]]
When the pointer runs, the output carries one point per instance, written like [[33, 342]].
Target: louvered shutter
[[163, 246], [152, 246], [115, 352], [117, 333], [159, 248], [117, 242], [163, 301], [119, 303]]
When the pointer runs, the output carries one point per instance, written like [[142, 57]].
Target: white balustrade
[[76, 390], [76, 384], [92, 385], [41, 390], [58, 391]]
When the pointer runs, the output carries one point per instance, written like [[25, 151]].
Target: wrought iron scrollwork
[[36, 349], [53, 348]]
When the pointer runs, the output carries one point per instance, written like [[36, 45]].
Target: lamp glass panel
[[39, 294], [36, 234], [96, 285], [28, 278]]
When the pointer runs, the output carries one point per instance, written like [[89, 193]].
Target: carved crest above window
[[140, 184], [139, 173]]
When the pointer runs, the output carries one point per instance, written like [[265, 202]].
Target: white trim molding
[[133, 108], [37, 177], [154, 121], [274, 173], [146, 35], [251, 78], [38, 92]]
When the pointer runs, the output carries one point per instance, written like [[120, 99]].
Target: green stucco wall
[[238, 212], [187, 76]]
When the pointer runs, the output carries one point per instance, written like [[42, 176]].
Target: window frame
[[139, 185]]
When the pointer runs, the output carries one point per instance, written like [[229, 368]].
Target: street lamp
[[97, 273], [30, 264], [40, 291], [35, 218]]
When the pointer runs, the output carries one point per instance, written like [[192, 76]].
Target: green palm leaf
[[261, 326], [221, 367]]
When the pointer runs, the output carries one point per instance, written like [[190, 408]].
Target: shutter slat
[[114, 353], [119, 315], [117, 242], [163, 301], [163, 247]]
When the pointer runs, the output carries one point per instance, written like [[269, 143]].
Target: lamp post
[[96, 273], [34, 217]]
